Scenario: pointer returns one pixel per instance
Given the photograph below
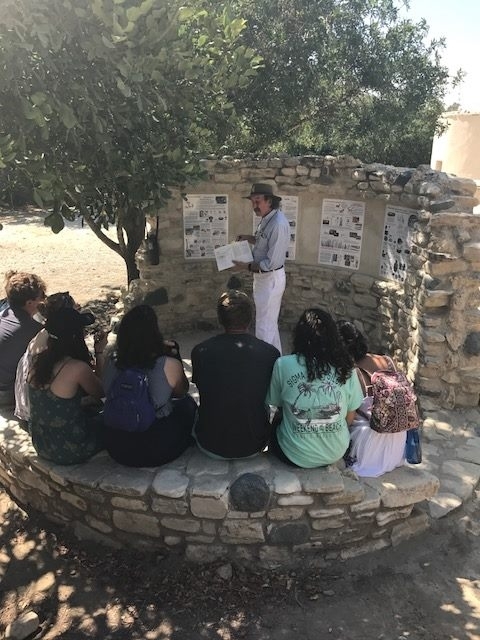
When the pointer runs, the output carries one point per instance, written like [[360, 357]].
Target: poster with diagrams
[[341, 233], [397, 242], [289, 207], [205, 224]]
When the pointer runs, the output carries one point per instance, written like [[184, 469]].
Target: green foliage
[[106, 103], [339, 76]]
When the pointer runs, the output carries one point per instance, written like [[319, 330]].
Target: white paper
[[205, 224], [234, 251], [397, 242], [341, 233]]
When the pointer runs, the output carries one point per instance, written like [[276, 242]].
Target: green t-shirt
[[313, 431]]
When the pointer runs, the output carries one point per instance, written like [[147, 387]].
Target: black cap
[[67, 322]]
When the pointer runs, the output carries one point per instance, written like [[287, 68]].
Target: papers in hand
[[234, 251]]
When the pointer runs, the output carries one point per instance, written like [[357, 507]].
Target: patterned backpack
[[128, 405], [394, 406]]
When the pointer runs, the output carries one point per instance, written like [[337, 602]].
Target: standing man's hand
[[250, 239], [239, 266]]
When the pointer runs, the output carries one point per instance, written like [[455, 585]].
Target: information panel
[[341, 233], [205, 224], [397, 242]]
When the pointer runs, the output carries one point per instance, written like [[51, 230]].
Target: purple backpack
[[128, 405]]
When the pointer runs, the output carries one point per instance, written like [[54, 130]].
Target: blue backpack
[[128, 405]]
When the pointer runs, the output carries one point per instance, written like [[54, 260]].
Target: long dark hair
[[354, 340], [72, 346], [317, 339], [139, 340]]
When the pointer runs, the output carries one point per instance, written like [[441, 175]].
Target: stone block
[[73, 500], [443, 503], [134, 522], [286, 482], [215, 507], [170, 506], [296, 500], [404, 486], [129, 482], [353, 492], [185, 525], [241, 532], [128, 504], [470, 451], [33, 481], [26, 624], [411, 527], [370, 502], [286, 513], [172, 541], [385, 517], [170, 483], [98, 525], [326, 480], [325, 524], [249, 493], [288, 533], [325, 513]]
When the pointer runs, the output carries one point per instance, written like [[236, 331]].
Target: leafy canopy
[[105, 103], [340, 76]]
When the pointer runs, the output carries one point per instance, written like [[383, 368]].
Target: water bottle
[[413, 448]]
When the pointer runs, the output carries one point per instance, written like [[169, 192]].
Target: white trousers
[[268, 290]]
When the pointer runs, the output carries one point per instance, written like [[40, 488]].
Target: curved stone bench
[[257, 509]]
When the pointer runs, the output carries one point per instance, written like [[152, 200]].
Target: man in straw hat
[[269, 252]]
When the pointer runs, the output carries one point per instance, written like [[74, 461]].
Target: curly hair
[[354, 340], [139, 340], [317, 339], [21, 287]]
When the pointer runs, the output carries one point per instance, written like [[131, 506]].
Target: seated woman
[[140, 345], [371, 453], [36, 345], [318, 393], [64, 428]]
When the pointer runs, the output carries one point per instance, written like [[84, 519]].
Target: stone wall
[[256, 510], [431, 323]]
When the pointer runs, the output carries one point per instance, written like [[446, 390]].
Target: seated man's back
[[232, 372], [17, 326]]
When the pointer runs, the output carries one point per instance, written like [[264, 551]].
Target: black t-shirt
[[232, 373]]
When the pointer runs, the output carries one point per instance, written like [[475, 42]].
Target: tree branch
[[111, 244]]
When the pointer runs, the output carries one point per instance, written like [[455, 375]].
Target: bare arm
[[176, 377], [350, 417], [88, 381]]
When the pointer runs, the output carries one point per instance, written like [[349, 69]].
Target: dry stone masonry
[[252, 510], [430, 322]]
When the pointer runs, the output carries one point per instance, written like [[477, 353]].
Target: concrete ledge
[[254, 510]]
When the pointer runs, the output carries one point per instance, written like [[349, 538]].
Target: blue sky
[[459, 22]]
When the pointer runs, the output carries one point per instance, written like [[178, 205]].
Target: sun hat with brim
[[67, 322], [262, 189]]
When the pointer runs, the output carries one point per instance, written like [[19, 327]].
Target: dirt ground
[[73, 260], [427, 588]]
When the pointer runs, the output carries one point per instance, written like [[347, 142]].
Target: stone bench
[[251, 510]]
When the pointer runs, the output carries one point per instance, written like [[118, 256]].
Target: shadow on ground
[[426, 588]]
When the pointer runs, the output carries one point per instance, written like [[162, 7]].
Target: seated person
[[317, 390], [64, 428], [36, 345], [140, 345], [371, 453], [232, 372], [25, 291]]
